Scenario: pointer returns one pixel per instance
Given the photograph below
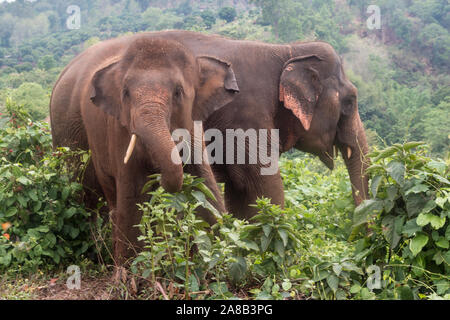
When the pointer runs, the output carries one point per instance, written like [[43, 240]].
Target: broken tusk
[[130, 149], [349, 152]]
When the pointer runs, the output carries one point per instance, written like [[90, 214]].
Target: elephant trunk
[[150, 125], [353, 146]]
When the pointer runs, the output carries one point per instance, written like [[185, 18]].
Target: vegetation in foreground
[[393, 246]]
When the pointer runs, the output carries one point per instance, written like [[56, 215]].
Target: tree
[[285, 17], [434, 128], [184, 8], [34, 98], [272, 11], [7, 23], [209, 18], [47, 62], [228, 14]]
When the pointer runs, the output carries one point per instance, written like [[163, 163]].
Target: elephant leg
[[245, 184], [92, 193], [124, 219]]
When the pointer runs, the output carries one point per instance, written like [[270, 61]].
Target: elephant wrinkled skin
[[300, 89], [140, 89]]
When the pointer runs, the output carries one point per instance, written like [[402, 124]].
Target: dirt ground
[[56, 289]]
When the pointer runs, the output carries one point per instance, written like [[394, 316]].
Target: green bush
[[408, 230], [317, 246], [183, 248], [42, 218], [228, 14]]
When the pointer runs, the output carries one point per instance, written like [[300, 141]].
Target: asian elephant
[[300, 89], [122, 99]]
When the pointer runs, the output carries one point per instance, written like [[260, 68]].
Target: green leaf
[[418, 189], [279, 247], [375, 184], [267, 230], [333, 282], [284, 236], [65, 193], [385, 153], [238, 269], [74, 232], [24, 180], [251, 245], [33, 195], [436, 222], [396, 171], [405, 293], [414, 204], [23, 202], [391, 192], [70, 212], [265, 242], [149, 185], [417, 243], [441, 202], [441, 179], [356, 288], [11, 212], [365, 210], [442, 243], [446, 257], [411, 227], [337, 268], [203, 188], [413, 144], [389, 229], [286, 285]]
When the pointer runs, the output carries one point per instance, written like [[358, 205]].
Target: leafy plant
[[42, 217], [407, 219], [182, 247]]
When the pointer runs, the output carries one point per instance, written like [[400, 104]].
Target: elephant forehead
[[145, 53], [155, 93]]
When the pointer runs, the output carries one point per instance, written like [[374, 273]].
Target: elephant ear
[[104, 92], [217, 87], [300, 88]]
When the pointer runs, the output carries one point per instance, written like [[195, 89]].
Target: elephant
[[121, 99], [300, 89]]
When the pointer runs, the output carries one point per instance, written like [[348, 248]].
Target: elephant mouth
[[327, 158]]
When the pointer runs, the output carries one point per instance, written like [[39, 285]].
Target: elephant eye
[[178, 93], [347, 105], [126, 93]]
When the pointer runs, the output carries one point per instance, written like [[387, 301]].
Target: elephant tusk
[[336, 152], [130, 149], [349, 152]]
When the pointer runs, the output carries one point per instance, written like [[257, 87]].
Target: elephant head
[[313, 86], [155, 87]]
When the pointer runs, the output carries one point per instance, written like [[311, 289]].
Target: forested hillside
[[395, 245], [401, 70]]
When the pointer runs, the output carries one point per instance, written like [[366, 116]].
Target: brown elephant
[[121, 99], [300, 89]]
